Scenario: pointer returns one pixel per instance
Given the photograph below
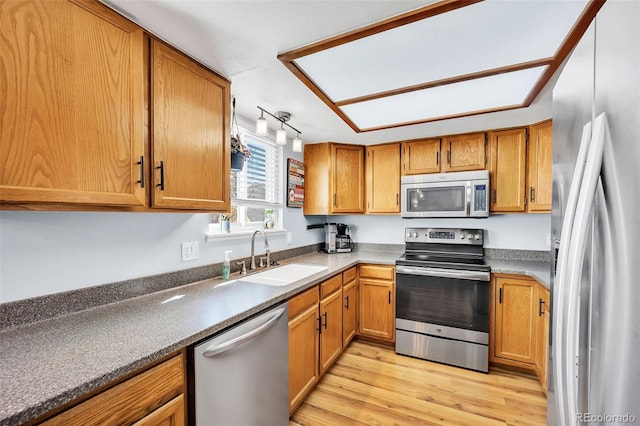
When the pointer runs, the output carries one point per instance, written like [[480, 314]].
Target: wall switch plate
[[289, 238], [190, 251]]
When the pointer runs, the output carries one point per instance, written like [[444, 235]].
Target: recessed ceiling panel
[[486, 35], [483, 94], [447, 59]]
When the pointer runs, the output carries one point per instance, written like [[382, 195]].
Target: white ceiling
[[240, 39]]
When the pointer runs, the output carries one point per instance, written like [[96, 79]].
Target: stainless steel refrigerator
[[594, 357]]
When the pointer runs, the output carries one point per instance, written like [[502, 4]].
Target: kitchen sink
[[284, 275]]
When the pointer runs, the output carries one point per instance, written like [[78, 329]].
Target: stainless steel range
[[442, 297]]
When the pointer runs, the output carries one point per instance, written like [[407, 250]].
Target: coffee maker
[[337, 238]]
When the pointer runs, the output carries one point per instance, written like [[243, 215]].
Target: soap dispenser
[[226, 265]]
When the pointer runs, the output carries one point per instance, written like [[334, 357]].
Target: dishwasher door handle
[[230, 344]]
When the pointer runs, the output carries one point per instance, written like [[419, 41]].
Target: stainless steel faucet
[[253, 243]]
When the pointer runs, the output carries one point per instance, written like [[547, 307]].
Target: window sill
[[235, 235]]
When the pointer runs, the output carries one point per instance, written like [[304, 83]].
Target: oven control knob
[[469, 236], [462, 236], [477, 236]]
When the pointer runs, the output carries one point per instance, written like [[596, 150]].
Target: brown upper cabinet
[[71, 132], [77, 136], [334, 178], [539, 165], [463, 152], [190, 146], [448, 154], [383, 178], [507, 163], [421, 156]]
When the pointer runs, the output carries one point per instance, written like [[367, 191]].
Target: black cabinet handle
[[532, 194], [540, 309], [325, 320], [161, 168], [319, 329], [500, 296], [448, 157], [141, 164], [347, 305], [397, 199], [334, 199], [437, 158], [494, 193], [389, 296]]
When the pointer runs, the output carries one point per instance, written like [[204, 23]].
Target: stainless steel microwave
[[459, 194]]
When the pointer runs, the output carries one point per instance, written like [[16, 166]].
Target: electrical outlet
[[190, 251], [289, 238]]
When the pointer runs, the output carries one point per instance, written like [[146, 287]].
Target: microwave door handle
[[468, 199]]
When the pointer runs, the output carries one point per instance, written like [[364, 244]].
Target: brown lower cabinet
[[520, 324], [304, 344], [155, 396], [542, 335], [318, 331], [377, 302], [350, 306], [330, 322]]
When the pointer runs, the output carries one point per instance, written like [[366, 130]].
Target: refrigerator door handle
[[575, 258], [559, 309]]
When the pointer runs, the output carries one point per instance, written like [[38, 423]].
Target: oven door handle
[[444, 273]]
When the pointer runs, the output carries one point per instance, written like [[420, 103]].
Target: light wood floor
[[371, 385]]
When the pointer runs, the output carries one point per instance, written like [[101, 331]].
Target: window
[[256, 190]]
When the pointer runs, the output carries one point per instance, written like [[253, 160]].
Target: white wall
[[49, 252], [514, 231]]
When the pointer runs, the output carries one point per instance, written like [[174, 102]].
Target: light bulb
[[261, 126], [297, 144], [281, 137]]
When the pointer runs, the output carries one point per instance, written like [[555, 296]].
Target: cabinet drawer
[[349, 275], [330, 285], [130, 400], [303, 301], [381, 272]]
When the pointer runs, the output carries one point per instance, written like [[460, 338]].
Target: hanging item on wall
[[239, 151], [295, 183]]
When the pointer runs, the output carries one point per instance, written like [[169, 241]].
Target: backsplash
[[28, 311], [509, 254]]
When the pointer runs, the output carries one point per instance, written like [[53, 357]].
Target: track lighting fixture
[[281, 133]]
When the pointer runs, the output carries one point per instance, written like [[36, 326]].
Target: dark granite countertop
[[540, 270], [49, 363]]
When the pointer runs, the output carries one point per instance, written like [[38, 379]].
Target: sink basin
[[284, 275]]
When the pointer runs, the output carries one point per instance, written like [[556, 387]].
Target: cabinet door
[[515, 324], [190, 145], [383, 178], [317, 166], [463, 152], [72, 122], [377, 309], [542, 335], [331, 332], [507, 170], [421, 156], [303, 355], [130, 400], [347, 178], [539, 164], [349, 312], [170, 414]]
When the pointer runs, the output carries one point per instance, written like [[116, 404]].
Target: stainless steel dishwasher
[[242, 375]]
